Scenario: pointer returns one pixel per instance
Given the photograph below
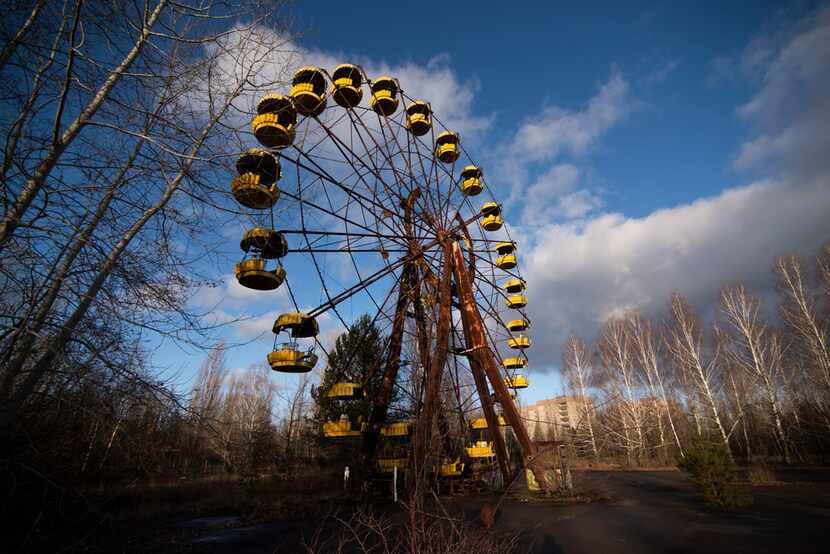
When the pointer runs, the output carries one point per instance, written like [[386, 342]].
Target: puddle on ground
[[210, 522]]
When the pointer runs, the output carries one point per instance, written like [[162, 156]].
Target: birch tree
[[646, 346], [757, 351], [684, 340], [617, 356], [577, 364], [810, 332]]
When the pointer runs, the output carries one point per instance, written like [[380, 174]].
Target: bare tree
[[617, 356], [577, 364], [739, 384], [684, 340], [756, 350], [122, 120], [251, 413], [646, 346], [295, 401], [207, 389], [824, 270], [811, 333]]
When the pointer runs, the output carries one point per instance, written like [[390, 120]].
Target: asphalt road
[[657, 512]]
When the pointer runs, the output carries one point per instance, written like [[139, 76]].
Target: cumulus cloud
[[541, 143], [791, 110], [582, 272], [557, 130], [553, 196]]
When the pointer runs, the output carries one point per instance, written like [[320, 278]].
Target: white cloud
[[580, 274], [578, 204], [557, 130], [554, 134], [791, 109], [552, 196]]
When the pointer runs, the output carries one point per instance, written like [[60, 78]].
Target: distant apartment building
[[554, 419]]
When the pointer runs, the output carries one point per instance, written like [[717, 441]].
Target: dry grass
[[365, 531], [259, 498], [760, 475], [622, 467]]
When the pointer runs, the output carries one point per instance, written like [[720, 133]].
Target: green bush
[[713, 474]]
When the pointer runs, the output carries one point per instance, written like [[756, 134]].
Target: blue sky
[[640, 148], [550, 53]]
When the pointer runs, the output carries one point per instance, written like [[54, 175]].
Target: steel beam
[[481, 353], [434, 372]]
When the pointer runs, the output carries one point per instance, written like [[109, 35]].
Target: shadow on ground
[[642, 512]]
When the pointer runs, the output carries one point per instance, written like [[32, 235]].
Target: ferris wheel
[[362, 187]]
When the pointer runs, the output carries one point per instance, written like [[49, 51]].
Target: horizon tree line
[[756, 383]]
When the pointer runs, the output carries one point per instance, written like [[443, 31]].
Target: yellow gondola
[[384, 96], [517, 382], [478, 423], [259, 162], [340, 429], [514, 285], [269, 243], [471, 184], [514, 363], [481, 449], [418, 118], [249, 191], [288, 358], [495, 399], [506, 247], [453, 469], [275, 123], [492, 216], [346, 89], [518, 325], [521, 342], [492, 223], [506, 262], [396, 429], [481, 423], [516, 301], [386, 465], [308, 91], [252, 274], [346, 391], [447, 147], [299, 324], [255, 186]]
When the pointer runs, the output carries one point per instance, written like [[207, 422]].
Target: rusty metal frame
[[480, 355]]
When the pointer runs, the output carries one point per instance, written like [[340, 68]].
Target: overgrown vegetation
[[760, 475], [714, 475], [365, 531]]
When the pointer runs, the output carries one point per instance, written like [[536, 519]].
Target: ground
[[658, 512], [618, 512]]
